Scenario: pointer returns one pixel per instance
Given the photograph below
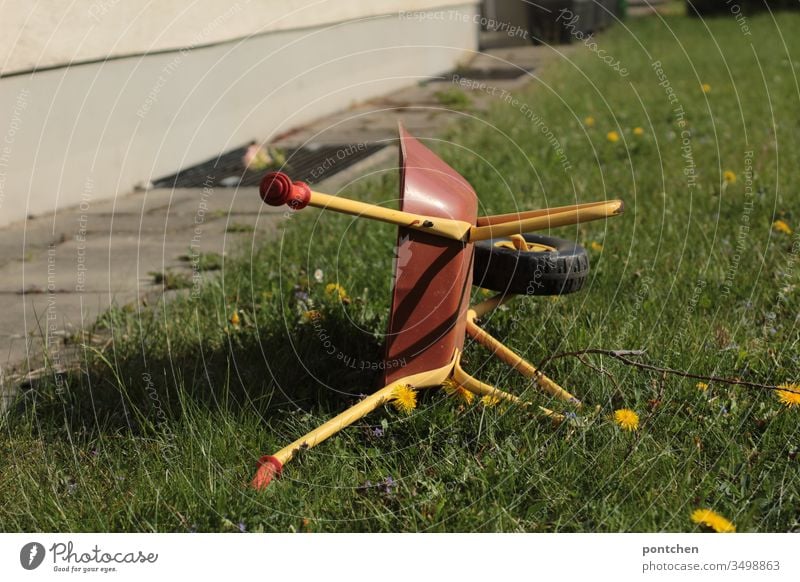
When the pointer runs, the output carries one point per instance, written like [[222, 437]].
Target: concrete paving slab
[[113, 263], [55, 313], [50, 320], [376, 123]]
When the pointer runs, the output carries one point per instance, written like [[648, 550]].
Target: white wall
[[95, 130], [41, 33]]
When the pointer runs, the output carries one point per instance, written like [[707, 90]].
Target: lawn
[[160, 431]]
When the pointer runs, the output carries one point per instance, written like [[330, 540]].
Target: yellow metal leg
[[270, 466], [483, 389], [515, 361], [343, 420], [491, 304]]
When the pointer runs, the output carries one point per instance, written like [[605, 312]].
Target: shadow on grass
[[136, 392]]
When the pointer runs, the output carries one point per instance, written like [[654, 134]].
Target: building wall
[[54, 32], [93, 131]]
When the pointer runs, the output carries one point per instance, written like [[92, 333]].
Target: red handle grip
[[277, 189], [268, 467]]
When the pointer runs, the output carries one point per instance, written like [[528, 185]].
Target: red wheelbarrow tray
[[430, 314], [432, 275]]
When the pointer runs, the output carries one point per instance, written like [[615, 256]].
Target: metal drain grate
[[490, 74], [310, 164]]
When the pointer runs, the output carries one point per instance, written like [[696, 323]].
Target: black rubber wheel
[[560, 268]]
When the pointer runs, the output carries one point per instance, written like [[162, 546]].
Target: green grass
[[203, 261], [239, 227], [161, 431], [454, 98], [171, 280]]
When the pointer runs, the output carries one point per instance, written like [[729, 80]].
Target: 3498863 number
[[769, 565]]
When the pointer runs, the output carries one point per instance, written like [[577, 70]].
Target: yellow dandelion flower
[[404, 398], [638, 131], [701, 386], [729, 177], [706, 88], [332, 288], [490, 400], [713, 520], [781, 226], [311, 315], [453, 388], [596, 246], [627, 419], [589, 121], [789, 395], [612, 136], [235, 319]]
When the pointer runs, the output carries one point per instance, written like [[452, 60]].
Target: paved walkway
[[58, 273]]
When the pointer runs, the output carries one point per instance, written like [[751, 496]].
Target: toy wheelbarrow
[[442, 248]]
